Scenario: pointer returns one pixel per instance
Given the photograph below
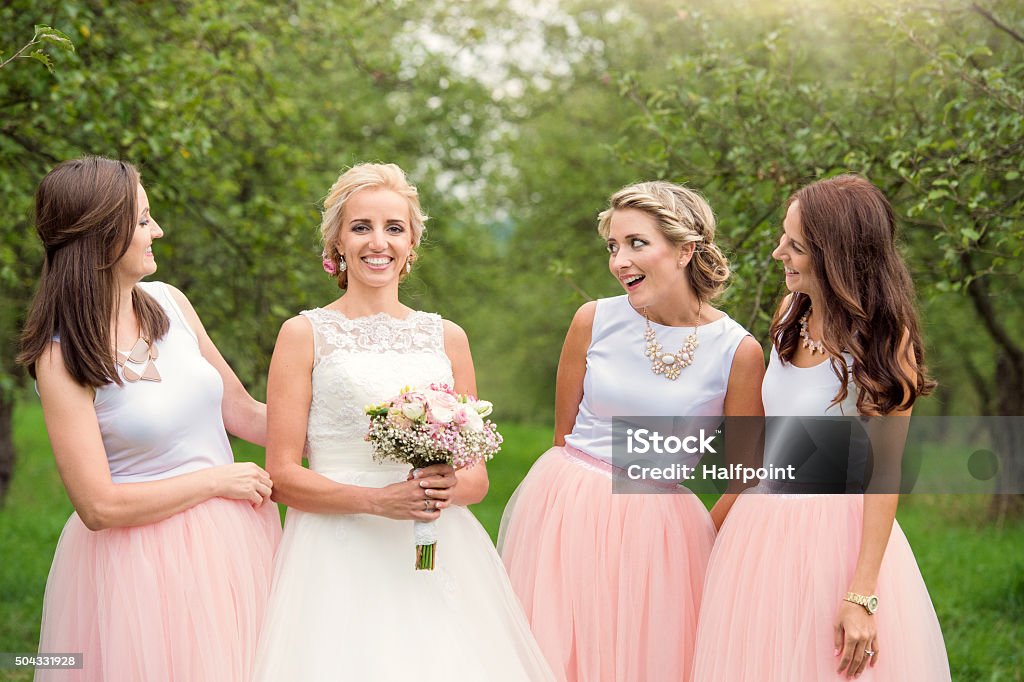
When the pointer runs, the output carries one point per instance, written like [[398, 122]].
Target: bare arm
[[472, 482], [879, 514], [572, 368], [855, 631], [82, 462], [289, 393], [742, 399], [244, 416]]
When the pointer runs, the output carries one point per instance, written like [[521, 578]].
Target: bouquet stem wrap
[[425, 534]]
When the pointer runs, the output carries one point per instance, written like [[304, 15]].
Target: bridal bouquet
[[428, 426]]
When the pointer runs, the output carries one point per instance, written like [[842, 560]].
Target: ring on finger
[[869, 652], [426, 504]]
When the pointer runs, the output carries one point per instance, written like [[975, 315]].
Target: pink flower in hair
[[330, 267]]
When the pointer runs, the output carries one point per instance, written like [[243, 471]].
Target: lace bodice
[[358, 362]]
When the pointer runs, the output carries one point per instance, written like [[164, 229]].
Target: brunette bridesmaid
[[812, 587]]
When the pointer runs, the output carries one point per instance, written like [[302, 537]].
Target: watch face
[[872, 604]]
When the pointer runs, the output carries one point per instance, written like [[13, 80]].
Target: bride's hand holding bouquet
[[420, 497]]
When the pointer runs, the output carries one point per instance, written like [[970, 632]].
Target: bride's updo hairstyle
[[357, 178], [684, 217]]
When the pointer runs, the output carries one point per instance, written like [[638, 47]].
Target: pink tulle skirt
[[611, 584], [779, 570], [177, 600]]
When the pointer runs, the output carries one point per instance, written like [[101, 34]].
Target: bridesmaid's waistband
[[609, 470], [580, 458]]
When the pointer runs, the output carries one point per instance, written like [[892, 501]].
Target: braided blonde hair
[[684, 217]]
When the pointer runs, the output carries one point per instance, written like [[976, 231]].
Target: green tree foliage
[[240, 116], [15, 250], [749, 101]]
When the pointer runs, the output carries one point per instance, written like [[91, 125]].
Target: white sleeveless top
[[619, 381], [791, 391], [154, 430]]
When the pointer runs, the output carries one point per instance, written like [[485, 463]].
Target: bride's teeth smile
[[377, 262]]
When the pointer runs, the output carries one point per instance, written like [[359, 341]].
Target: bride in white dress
[[346, 602]]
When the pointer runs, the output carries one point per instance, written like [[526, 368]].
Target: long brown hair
[[86, 214], [867, 296]]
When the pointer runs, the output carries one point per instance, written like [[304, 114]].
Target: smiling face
[[138, 261], [376, 237], [794, 254], [643, 259]]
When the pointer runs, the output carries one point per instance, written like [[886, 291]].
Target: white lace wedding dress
[[347, 603]]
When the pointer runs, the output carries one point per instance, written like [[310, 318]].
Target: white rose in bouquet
[[470, 418], [441, 407], [413, 410]]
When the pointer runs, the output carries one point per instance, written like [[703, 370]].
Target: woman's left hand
[[855, 639], [438, 482]]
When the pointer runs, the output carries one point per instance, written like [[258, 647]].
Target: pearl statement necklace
[[808, 342], [670, 365]]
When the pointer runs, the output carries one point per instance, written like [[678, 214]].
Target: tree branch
[[995, 22], [739, 243], [222, 234], [756, 307], [18, 54], [961, 73], [28, 146], [981, 384], [979, 295]]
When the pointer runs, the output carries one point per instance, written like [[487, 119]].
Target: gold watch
[[869, 602]]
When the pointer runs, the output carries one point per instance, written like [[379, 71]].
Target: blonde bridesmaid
[[612, 583]]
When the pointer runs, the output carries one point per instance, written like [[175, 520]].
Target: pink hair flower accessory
[[330, 267]]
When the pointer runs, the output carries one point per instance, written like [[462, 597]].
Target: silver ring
[[869, 652], [426, 504]]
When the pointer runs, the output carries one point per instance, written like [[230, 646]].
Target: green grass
[[975, 574], [974, 571]]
